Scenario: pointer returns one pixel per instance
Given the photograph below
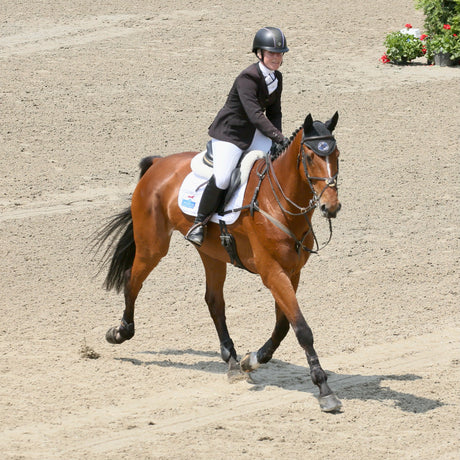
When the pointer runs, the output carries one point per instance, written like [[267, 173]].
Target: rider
[[249, 120]]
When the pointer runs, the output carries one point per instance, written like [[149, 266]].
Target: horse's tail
[[145, 164], [121, 257]]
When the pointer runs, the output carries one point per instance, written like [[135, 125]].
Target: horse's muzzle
[[330, 210]]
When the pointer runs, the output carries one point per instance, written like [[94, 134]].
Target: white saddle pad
[[193, 185]]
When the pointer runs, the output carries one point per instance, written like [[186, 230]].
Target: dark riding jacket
[[249, 107]]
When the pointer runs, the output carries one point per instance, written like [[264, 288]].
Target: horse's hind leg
[[151, 246], [216, 272]]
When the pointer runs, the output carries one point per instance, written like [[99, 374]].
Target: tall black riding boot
[[210, 201]]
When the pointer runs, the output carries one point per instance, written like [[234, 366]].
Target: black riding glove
[[278, 147]]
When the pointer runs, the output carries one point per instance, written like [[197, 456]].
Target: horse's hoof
[[112, 336], [329, 403], [249, 363], [119, 334]]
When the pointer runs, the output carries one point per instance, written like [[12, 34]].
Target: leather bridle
[[329, 181]]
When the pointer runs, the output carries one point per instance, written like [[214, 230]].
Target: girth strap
[[229, 243]]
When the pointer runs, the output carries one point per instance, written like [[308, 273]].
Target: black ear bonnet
[[317, 136], [319, 139]]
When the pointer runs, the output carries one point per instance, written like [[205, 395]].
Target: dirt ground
[[89, 88]]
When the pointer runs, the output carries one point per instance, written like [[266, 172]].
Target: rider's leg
[[210, 201], [225, 159], [260, 142]]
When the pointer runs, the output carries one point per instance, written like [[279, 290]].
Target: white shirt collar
[[270, 78]]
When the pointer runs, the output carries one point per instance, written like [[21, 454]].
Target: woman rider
[[249, 120]]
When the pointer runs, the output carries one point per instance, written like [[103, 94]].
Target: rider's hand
[[278, 147]]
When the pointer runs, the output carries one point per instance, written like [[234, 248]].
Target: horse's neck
[[287, 169]]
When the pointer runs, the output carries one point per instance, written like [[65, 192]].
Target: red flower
[[424, 50], [385, 59], [408, 26], [423, 36], [454, 35], [446, 26]]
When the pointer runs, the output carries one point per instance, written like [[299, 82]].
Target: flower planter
[[403, 61], [443, 60]]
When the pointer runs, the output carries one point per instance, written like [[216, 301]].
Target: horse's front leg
[[254, 359], [283, 291], [265, 353], [216, 272]]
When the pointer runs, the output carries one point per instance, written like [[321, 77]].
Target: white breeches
[[226, 156]]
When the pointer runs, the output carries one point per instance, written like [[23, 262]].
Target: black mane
[[283, 147]]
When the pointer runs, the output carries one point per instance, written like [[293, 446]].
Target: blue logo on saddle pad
[[188, 203]]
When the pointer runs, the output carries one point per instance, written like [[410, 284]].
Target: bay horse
[[273, 235]]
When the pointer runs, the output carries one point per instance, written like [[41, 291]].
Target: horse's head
[[320, 159]]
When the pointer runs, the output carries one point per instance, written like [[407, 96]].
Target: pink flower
[[446, 26], [408, 26], [385, 59]]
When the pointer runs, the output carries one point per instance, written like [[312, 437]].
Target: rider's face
[[272, 60]]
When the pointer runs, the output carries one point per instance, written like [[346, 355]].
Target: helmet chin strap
[[261, 59]]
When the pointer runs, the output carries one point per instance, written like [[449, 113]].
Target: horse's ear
[[332, 123], [308, 123]]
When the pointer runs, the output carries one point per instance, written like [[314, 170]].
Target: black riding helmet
[[270, 39]]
